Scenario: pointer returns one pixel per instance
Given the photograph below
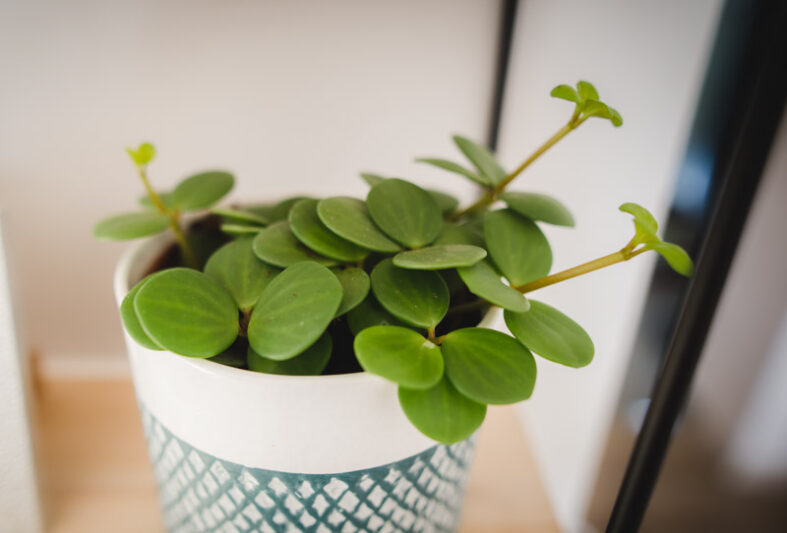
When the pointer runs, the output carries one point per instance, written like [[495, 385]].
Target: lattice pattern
[[201, 493]]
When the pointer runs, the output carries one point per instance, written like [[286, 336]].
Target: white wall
[[292, 96], [647, 59]]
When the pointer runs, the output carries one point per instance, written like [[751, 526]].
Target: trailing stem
[[173, 215], [491, 195], [621, 255]]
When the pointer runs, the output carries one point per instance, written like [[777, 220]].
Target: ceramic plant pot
[[236, 451]]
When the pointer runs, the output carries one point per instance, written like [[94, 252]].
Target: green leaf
[[442, 413], [676, 256], [418, 297], [130, 226], [201, 191], [447, 203], [460, 234], [370, 313], [371, 179], [143, 155], [517, 246], [355, 286], [294, 310], [586, 91], [551, 334], [456, 169], [615, 118], [482, 280], [440, 257], [641, 215], [482, 159], [276, 212], [348, 218], [644, 222], [400, 355], [186, 312], [488, 366], [242, 230], [405, 212], [235, 267], [565, 92], [165, 197], [276, 245], [240, 215], [308, 363], [539, 207], [308, 228], [131, 321]]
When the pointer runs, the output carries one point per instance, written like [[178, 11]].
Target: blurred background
[[299, 97]]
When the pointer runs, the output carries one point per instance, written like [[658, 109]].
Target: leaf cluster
[[391, 284]]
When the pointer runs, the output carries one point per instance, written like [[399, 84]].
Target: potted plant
[[322, 364]]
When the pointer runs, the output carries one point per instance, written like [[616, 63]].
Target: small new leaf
[[565, 92], [676, 256], [586, 91], [456, 168], [143, 155]]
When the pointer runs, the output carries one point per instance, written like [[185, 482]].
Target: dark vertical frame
[[505, 41], [759, 96]]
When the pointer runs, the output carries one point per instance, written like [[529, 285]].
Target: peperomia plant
[[394, 284]]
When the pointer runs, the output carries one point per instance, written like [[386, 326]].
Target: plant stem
[[490, 196], [173, 216], [431, 333], [590, 266]]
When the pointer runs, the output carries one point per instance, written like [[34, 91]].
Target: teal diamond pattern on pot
[[202, 493]]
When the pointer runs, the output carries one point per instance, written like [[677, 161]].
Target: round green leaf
[[446, 202], [539, 207], [276, 212], [405, 212], [294, 310], [309, 363], [676, 256], [235, 267], [355, 286], [131, 322], [551, 334], [130, 226], [276, 245], [308, 228], [482, 280], [400, 355], [186, 312], [370, 313], [488, 366], [240, 229], [440, 257], [202, 190], [565, 92], [442, 413], [482, 159], [240, 215], [641, 215], [165, 197], [586, 91], [517, 246], [143, 155], [417, 297], [450, 166], [371, 179], [348, 218], [460, 234]]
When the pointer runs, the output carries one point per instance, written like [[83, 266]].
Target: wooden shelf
[[96, 477]]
